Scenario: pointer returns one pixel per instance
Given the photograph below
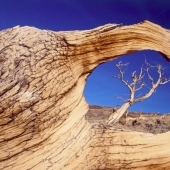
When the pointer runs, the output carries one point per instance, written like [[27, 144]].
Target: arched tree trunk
[[42, 108]]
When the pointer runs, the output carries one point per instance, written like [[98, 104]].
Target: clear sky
[[64, 15]]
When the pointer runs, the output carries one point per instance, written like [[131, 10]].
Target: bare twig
[[121, 75]]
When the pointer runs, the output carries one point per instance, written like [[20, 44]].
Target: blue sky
[[67, 15]]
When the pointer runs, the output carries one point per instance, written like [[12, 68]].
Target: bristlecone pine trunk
[[42, 108]]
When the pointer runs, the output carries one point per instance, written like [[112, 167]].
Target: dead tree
[[136, 85]]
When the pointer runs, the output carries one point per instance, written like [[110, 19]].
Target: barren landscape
[[146, 122]]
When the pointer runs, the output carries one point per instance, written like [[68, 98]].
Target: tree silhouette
[[137, 84]]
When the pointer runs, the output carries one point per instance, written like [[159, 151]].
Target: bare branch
[[139, 95], [121, 75], [147, 71], [165, 80], [137, 79], [124, 100], [141, 75], [141, 86], [154, 85]]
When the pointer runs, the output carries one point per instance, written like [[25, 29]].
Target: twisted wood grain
[[42, 107]]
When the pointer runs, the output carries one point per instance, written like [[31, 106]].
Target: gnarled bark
[[42, 108]]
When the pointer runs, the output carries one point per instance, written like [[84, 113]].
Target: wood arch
[[42, 108]]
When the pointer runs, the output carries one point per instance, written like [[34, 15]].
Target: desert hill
[[146, 122]]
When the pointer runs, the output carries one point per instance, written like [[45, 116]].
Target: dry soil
[[149, 122]]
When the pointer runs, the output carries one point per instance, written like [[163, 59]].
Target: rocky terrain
[[135, 121]]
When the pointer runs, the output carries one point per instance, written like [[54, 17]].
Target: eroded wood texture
[[42, 108]]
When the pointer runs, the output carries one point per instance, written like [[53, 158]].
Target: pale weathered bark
[[42, 108]]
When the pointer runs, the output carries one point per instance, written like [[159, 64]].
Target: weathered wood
[[42, 108]]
